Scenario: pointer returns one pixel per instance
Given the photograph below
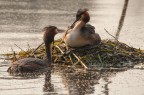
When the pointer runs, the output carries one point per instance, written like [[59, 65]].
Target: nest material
[[107, 54], [70, 62]]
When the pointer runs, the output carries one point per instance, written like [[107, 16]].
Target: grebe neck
[[78, 25], [48, 54]]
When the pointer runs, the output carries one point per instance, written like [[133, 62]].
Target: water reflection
[[22, 21], [76, 82], [80, 82]]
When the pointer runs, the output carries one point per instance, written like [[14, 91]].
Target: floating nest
[[99, 61], [107, 54]]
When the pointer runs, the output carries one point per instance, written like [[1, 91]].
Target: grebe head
[[80, 12], [49, 34], [83, 15]]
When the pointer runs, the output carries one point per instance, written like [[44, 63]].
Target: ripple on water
[[130, 82], [10, 85]]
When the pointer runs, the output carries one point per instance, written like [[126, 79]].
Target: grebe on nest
[[81, 34], [35, 65]]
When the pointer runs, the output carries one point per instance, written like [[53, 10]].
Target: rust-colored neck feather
[[85, 17]]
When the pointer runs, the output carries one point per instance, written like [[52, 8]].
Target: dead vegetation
[[107, 54], [99, 61]]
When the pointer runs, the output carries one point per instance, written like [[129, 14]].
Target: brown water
[[21, 22]]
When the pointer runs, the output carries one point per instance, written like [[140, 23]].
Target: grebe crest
[[81, 33], [80, 12], [49, 33]]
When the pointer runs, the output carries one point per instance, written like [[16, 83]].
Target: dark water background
[[21, 22]]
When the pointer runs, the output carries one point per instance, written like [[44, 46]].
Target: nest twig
[[107, 54]]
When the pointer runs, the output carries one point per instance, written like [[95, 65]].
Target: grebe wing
[[30, 61], [88, 28], [27, 65]]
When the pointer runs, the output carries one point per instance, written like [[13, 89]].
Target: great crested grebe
[[35, 65], [81, 34]]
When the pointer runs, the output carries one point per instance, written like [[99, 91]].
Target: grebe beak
[[59, 30]]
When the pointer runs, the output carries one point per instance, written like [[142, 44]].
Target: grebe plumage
[[81, 34], [35, 65]]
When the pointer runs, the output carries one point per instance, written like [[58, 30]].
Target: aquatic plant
[[107, 54]]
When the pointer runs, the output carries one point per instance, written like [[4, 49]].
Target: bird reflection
[[80, 82]]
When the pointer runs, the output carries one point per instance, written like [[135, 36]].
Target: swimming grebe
[[81, 34], [35, 65]]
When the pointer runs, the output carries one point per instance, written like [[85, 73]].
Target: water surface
[[21, 23]]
